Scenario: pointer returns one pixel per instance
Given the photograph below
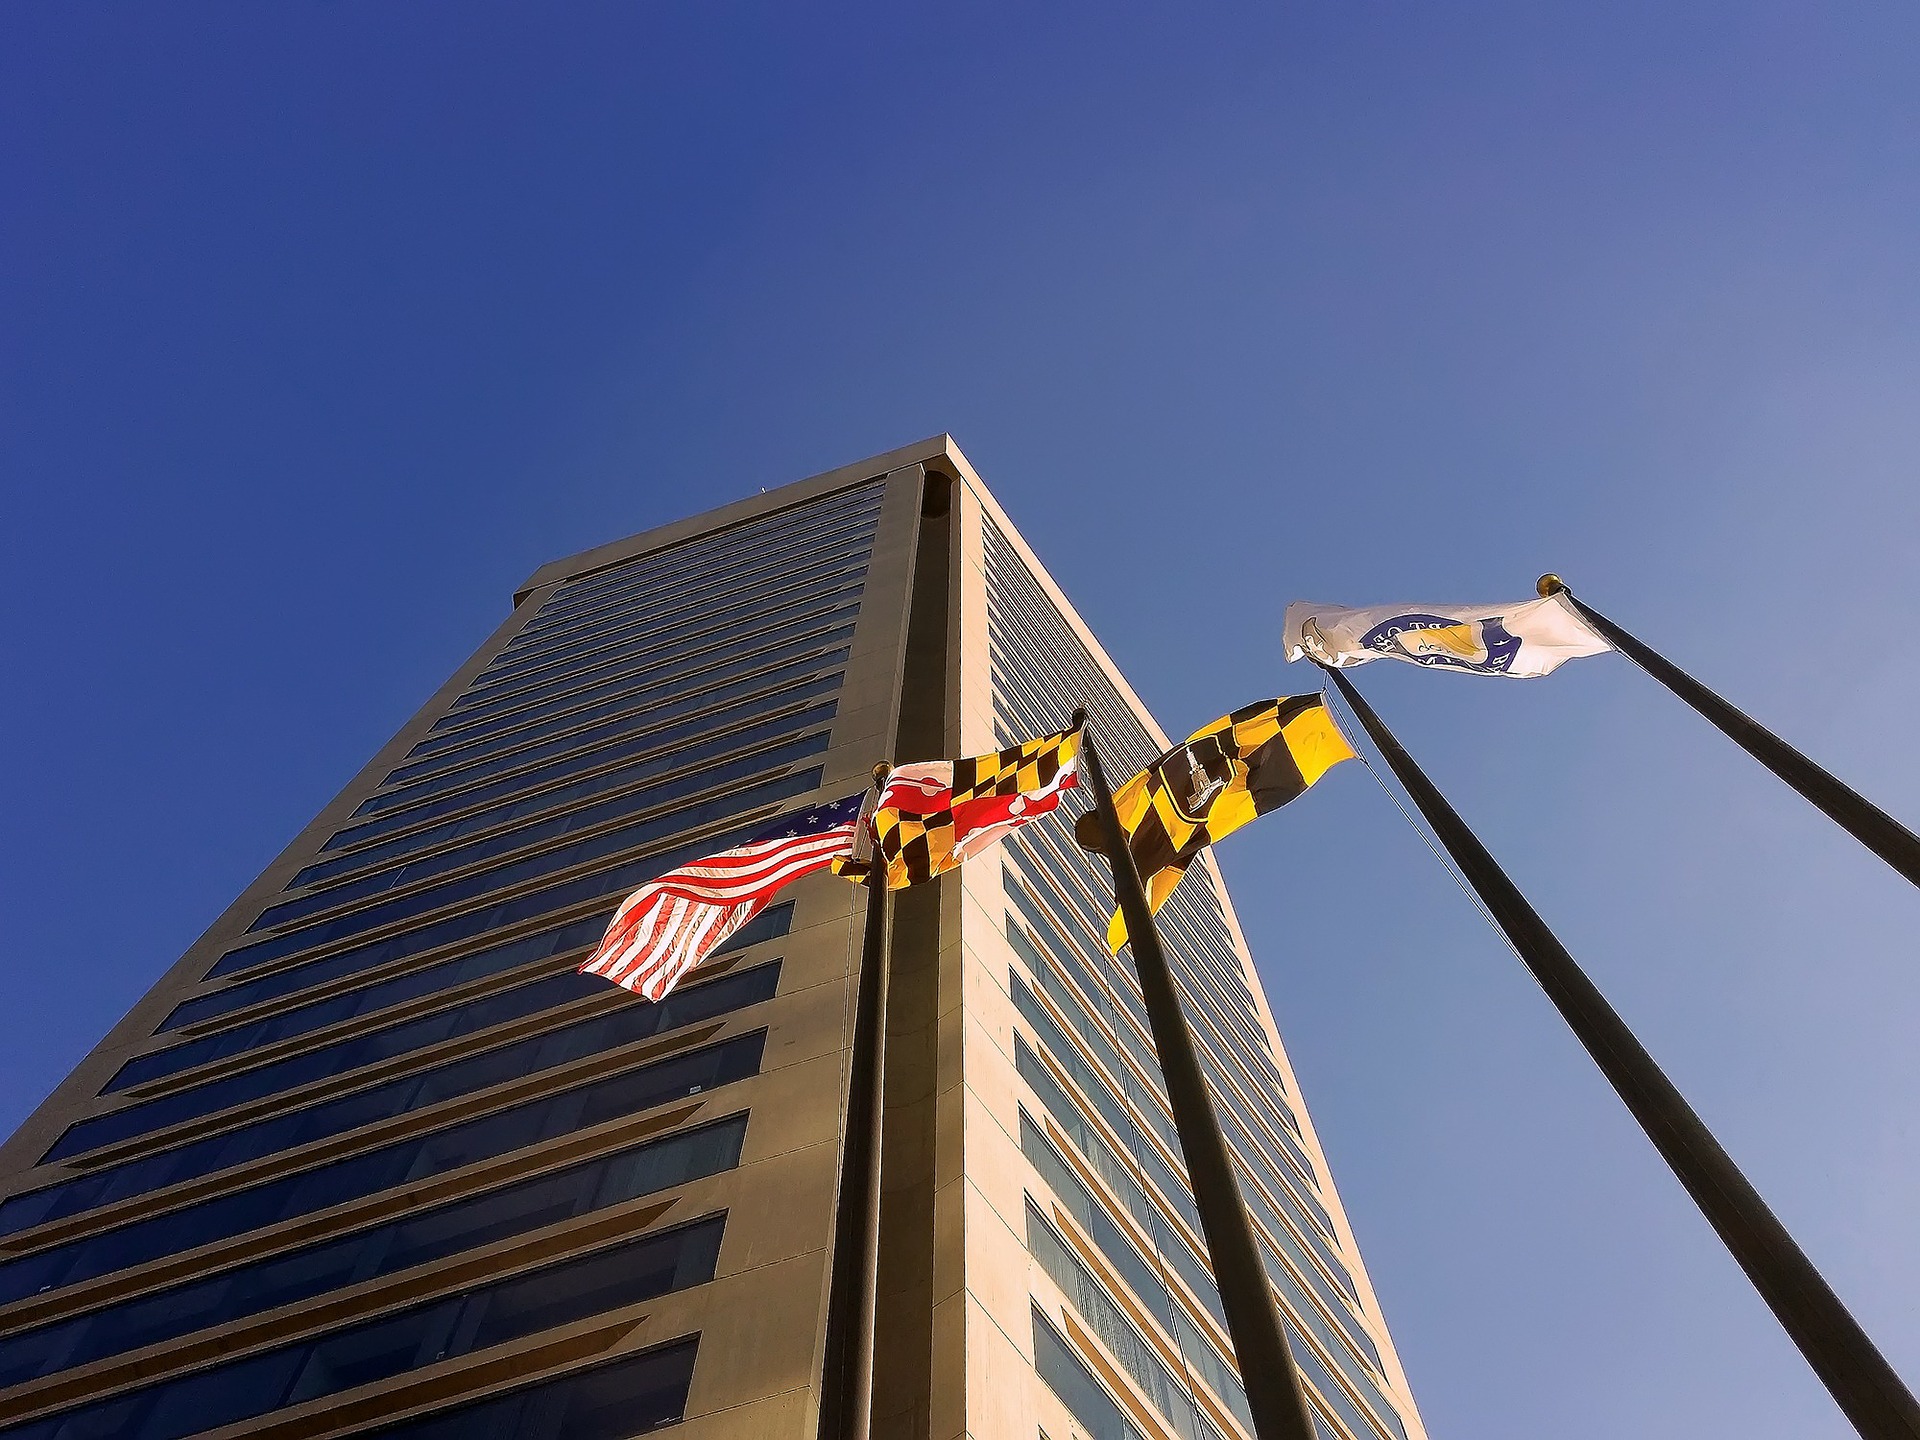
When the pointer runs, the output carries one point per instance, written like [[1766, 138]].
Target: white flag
[[1523, 640]]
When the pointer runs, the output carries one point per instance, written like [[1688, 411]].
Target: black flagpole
[[1859, 1378], [1853, 812], [1274, 1395], [846, 1378]]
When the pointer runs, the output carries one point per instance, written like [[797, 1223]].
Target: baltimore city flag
[[1227, 773], [1521, 641], [933, 815]]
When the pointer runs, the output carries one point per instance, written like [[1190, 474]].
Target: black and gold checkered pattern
[[990, 794], [1241, 766]]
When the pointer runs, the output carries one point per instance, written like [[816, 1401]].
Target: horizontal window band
[[633, 680], [419, 1244], [532, 1033], [572, 593], [517, 873], [350, 1357], [732, 601], [656, 651], [575, 595], [510, 833], [397, 996], [574, 706], [623, 713], [740, 724], [607, 723], [226, 1215]]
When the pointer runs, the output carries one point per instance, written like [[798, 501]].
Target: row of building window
[[1227, 1031], [812, 671], [735, 600], [1227, 1026], [1057, 898], [1165, 1391], [1351, 1342], [1260, 1141], [509, 833], [691, 635], [615, 1400], [620, 878], [1150, 1110], [1237, 1120], [712, 732], [436, 1152], [382, 957], [1221, 1023], [413, 1338], [374, 1252], [641, 687], [575, 705], [598, 771], [1033, 647], [643, 598], [286, 1129], [770, 625], [653, 610], [655, 567], [1175, 1251], [1197, 1352], [371, 996], [695, 556]]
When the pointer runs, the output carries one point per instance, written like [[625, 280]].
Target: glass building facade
[[372, 1159]]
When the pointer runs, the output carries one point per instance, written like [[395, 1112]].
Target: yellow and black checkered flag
[[933, 815], [1241, 766]]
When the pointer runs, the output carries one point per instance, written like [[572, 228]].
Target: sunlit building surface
[[373, 1159]]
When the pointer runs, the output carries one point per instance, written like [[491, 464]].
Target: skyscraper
[[372, 1158]]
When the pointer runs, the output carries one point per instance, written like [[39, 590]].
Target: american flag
[[670, 924]]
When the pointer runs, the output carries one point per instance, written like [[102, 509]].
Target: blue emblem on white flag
[[1521, 641], [1484, 646]]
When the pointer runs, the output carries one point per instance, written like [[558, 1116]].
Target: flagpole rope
[[1446, 864]]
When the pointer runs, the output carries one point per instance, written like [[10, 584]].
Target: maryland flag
[[1239, 767], [933, 815]]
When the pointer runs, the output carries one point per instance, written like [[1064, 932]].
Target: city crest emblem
[[1483, 646], [1197, 774]]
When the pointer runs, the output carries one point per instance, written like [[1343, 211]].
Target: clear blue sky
[[325, 324]]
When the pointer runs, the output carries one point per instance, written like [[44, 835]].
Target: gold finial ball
[[1550, 584], [880, 773]]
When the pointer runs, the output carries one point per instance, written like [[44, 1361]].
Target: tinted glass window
[[616, 1401], [637, 710], [376, 994], [629, 1020], [474, 922], [705, 615], [370, 1172], [392, 876], [1068, 1377], [658, 751], [423, 1335], [796, 623], [369, 1254]]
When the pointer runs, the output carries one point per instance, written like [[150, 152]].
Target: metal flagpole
[[1853, 812], [1274, 1394], [846, 1378], [1859, 1378]]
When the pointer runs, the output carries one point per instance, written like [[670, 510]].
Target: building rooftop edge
[[614, 552]]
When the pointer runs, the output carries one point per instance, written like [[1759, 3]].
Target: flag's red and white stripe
[[671, 924]]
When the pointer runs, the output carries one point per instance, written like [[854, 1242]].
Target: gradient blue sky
[[325, 324]]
